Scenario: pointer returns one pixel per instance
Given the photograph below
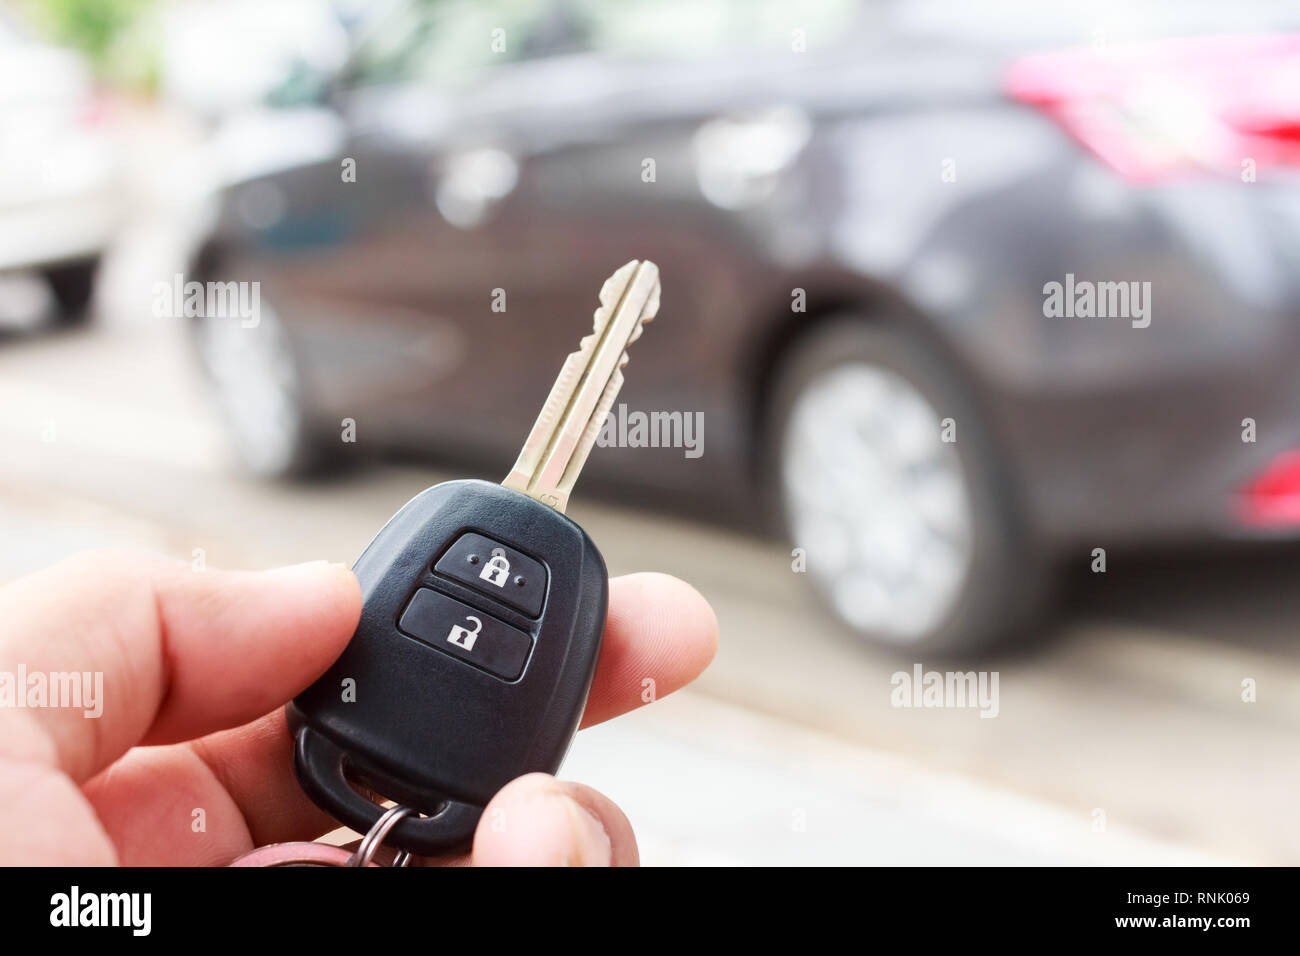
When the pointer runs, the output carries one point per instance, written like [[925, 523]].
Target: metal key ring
[[371, 842]]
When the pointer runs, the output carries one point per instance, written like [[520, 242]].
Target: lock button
[[467, 633], [500, 572], [497, 569]]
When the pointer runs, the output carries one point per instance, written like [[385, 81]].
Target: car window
[[698, 29], [446, 42]]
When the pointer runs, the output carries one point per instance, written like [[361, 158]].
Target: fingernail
[[305, 569], [589, 844], [304, 565]]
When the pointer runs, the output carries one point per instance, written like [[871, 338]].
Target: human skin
[[197, 668]]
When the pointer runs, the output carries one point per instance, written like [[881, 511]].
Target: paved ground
[[788, 749]]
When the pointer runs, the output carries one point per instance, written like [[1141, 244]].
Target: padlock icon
[[497, 570], [463, 637]]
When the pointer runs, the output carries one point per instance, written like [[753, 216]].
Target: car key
[[481, 622]]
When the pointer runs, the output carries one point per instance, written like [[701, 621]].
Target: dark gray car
[[946, 311]]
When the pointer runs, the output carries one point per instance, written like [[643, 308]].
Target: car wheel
[[254, 375], [73, 285], [890, 484]]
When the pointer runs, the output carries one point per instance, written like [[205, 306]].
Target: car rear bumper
[[59, 229]]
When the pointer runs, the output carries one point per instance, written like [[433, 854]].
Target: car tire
[[255, 376], [73, 286], [914, 541]]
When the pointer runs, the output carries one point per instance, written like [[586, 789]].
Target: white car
[[61, 176]]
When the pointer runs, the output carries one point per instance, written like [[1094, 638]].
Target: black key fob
[[480, 629]]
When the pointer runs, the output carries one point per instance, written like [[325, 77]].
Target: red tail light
[[1272, 500], [1217, 106]]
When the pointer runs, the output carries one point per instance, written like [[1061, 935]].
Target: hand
[[197, 667]]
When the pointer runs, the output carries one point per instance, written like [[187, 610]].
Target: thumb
[[175, 653], [537, 820]]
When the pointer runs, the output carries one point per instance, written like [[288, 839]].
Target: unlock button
[[466, 632]]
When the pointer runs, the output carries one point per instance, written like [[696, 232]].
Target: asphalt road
[[788, 749]]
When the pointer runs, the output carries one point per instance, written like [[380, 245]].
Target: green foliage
[[89, 25], [107, 31]]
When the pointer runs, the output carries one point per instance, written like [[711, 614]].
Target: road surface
[[1122, 737]]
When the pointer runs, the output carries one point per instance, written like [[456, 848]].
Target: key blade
[[583, 394]]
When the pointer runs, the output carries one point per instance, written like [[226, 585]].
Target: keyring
[[326, 854], [371, 842]]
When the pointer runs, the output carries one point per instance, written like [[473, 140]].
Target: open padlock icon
[[496, 570], [463, 637]]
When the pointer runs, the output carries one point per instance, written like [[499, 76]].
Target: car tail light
[[1272, 499], [1153, 111]]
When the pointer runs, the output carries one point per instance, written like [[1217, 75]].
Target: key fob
[[480, 627]]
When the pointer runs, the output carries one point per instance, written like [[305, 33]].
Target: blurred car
[[858, 228], [61, 176]]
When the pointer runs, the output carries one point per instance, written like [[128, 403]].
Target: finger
[[216, 798], [659, 635], [181, 653], [46, 821], [656, 625], [537, 820]]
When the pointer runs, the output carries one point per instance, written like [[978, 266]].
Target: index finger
[[660, 634]]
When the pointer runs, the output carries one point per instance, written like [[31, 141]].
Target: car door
[[423, 291]]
